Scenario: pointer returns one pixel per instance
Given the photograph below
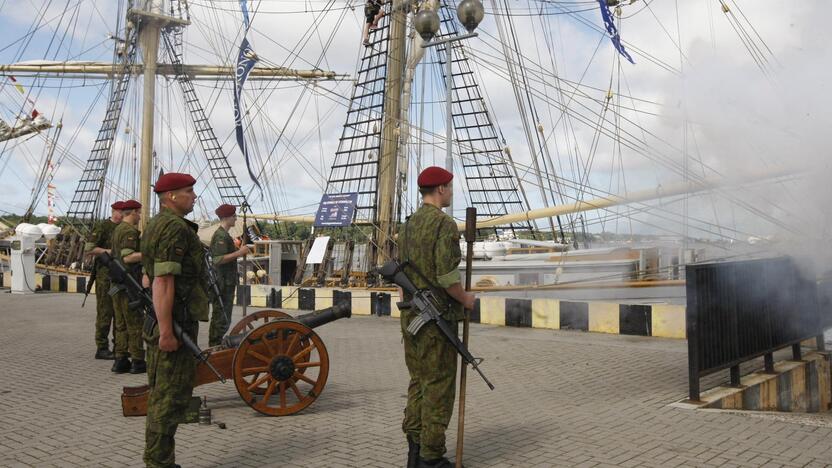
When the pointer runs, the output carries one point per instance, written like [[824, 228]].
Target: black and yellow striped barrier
[[661, 320]]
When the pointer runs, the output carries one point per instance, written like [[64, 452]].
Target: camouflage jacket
[[126, 242], [221, 245], [102, 236], [429, 241], [170, 246]]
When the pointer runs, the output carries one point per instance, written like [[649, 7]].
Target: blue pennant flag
[[612, 31], [244, 8], [245, 62]]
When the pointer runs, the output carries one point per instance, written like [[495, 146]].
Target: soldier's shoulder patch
[[179, 251]]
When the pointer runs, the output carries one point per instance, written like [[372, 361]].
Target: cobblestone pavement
[[563, 399]]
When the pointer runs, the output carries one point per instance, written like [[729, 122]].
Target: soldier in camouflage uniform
[[429, 241], [225, 256], [128, 320], [100, 242], [173, 259]]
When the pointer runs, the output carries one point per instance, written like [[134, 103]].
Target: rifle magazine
[[416, 325]]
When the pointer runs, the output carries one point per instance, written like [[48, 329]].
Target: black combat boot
[[121, 365], [412, 453], [435, 463], [105, 354], [138, 366]]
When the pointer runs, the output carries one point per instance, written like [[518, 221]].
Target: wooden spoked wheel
[[250, 322], [280, 368]]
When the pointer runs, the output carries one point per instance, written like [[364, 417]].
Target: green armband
[[166, 268], [449, 279]]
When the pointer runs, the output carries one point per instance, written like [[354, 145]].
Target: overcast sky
[[695, 99]]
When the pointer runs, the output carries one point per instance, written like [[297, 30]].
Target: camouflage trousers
[[103, 312], [128, 329], [221, 316], [171, 379], [431, 362]]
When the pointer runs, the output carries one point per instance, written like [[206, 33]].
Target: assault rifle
[[141, 297], [91, 281], [211, 273], [425, 304]]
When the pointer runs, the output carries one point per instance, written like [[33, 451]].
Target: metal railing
[[739, 311]]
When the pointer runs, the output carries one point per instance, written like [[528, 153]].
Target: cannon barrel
[[322, 317], [311, 320]]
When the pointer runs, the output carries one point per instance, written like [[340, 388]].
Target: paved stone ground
[[563, 398]]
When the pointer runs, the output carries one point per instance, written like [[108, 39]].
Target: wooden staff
[[470, 237], [243, 241]]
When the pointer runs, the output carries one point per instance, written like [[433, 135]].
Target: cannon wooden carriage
[[279, 365]]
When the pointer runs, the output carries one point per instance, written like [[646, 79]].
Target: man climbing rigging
[[372, 13]]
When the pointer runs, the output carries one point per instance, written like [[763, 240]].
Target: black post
[[797, 353], [693, 382], [735, 376], [275, 298], [769, 362], [692, 333]]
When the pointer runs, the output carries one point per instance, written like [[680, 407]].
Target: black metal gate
[[739, 311]]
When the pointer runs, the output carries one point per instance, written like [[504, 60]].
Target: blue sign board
[[336, 210]]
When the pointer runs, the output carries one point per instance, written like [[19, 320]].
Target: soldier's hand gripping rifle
[[425, 304], [138, 295], [212, 276]]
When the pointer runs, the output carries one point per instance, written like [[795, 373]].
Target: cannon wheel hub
[[282, 368]]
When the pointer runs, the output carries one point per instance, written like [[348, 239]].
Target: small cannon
[[279, 367]]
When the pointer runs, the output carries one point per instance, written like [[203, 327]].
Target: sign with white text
[[336, 210]]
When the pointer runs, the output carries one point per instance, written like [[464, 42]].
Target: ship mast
[[388, 188], [151, 23]]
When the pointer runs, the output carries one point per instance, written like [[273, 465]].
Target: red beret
[[434, 176], [173, 181], [117, 205], [130, 205], [225, 210]]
